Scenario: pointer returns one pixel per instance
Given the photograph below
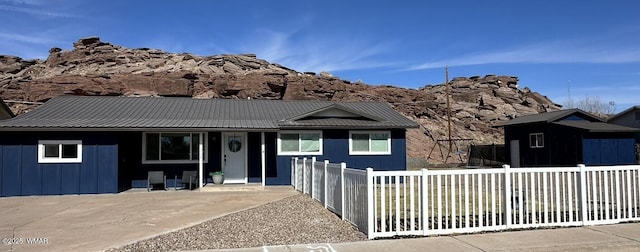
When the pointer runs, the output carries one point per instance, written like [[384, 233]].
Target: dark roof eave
[[301, 127], [137, 129], [501, 125], [547, 117], [613, 131], [614, 128], [93, 129]]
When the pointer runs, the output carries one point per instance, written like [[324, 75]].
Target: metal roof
[[547, 117], [127, 113], [596, 126]]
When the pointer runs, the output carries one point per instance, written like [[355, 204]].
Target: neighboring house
[[628, 118], [566, 138], [5, 111], [75, 144]]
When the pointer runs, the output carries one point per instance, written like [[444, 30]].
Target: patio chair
[[188, 177], [156, 178]]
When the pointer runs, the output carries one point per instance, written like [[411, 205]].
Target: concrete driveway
[[99, 222]]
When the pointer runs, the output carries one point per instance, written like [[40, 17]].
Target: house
[[629, 118], [5, 111], [566, 138], [76, 145]]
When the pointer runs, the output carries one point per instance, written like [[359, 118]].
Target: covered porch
[[245, 157]]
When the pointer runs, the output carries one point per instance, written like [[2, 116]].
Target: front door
[[234, 157], [515, 153]]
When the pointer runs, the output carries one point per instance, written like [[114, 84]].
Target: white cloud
[[25, 2], [36, 12], [43, 9], [622, 95], [29, 39], [318, 53], [571, 51]]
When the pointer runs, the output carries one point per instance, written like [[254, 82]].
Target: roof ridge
[[206, 99]]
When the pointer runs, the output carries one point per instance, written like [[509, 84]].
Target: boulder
[[84, 42]]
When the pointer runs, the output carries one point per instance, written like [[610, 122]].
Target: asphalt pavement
[[617, 237]]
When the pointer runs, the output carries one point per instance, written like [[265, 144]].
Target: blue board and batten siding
[[336, 149], [602, 151], [569, 146], [111, 161], [23, 175]]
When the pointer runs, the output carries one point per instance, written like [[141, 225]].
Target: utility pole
[[569, 100], [448, 104]]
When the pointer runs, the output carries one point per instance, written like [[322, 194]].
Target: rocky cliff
[[94, 67]]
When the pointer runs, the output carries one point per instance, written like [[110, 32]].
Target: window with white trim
[[369, 142], [536, 140], [300, 143], [60, 151], [172, 147]]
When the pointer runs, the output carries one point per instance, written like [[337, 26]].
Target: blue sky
[[591, 48]]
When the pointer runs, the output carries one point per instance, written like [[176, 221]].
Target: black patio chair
[[156, 178], [188, 177]]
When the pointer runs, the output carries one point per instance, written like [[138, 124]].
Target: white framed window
[[300, 143], [60, 151], [172, 147], [536, 140], [369, 142]]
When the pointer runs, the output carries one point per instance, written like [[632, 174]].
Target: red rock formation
[[94, 67]]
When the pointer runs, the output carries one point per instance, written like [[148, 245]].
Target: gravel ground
[[294, 220]]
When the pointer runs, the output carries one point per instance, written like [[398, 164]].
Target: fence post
[[326, 176], [343, 166], [508, 204], [424, 201], [295, 173], [313, 176], [304, 177], [583, 194], [370, 203]]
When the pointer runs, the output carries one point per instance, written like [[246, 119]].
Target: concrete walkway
[[99, 222], [619, 237]]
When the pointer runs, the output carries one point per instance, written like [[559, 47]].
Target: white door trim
[[243, 149]]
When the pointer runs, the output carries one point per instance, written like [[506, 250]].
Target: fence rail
[[430, 202]]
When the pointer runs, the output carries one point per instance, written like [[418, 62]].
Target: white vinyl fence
[[428, 202], [340, 189]]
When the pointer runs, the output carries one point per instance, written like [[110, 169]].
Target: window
[[59, 151], [637, 115], [172, 147], [369, 143], [536, 140], [300, 143]]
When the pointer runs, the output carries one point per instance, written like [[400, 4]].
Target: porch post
[[200, 160], [508, 200], [262, 157]]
